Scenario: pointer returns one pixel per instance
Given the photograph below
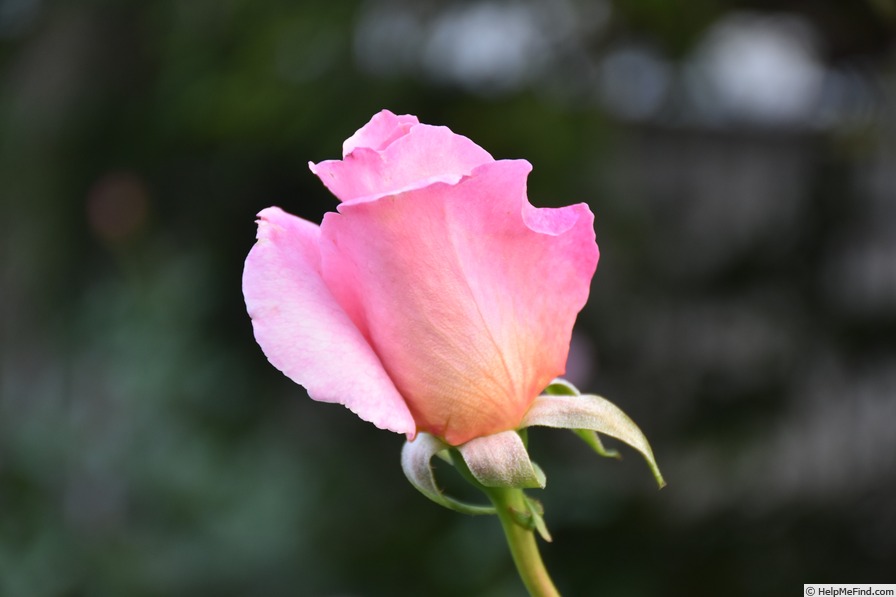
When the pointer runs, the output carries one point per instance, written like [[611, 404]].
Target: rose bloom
[[436, 298]]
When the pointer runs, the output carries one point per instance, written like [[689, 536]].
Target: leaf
[[588, 411], [415, 462]]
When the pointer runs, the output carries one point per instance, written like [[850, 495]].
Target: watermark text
[[851, 590]]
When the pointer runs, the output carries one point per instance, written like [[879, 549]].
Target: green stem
[[521, 541]]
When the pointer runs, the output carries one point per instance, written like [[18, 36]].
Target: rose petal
[[384, 128], [422, 156], [466, 292], [305, 333]]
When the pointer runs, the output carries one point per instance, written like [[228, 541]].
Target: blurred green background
[[740, 158]]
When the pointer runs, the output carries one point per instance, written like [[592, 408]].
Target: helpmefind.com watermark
[[851, 590]]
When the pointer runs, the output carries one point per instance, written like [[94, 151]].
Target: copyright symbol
[[810, 591]]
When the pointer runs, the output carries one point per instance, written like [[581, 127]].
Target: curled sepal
[[592, 439], [561, 387], [501, 460], [587, 411], [415, 462]]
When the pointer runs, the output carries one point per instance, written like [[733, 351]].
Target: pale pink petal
[[466, 292], [305, 333], [382, 129], [424, 155]]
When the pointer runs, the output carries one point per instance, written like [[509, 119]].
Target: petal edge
[[305, 333]]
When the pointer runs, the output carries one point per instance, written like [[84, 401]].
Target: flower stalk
[[521, 518], [510, 503], [500, 467]]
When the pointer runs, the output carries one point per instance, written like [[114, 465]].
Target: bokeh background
[[740, 157]]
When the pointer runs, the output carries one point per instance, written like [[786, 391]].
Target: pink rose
[[435, 298]]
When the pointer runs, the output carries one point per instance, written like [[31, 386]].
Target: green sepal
[[501, 460], [591, 438], [563, 407], [415, 462], [532, 518], [561, 387]]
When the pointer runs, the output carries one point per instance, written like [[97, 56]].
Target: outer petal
[[423, 155], [305, 333], [490, 288]]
